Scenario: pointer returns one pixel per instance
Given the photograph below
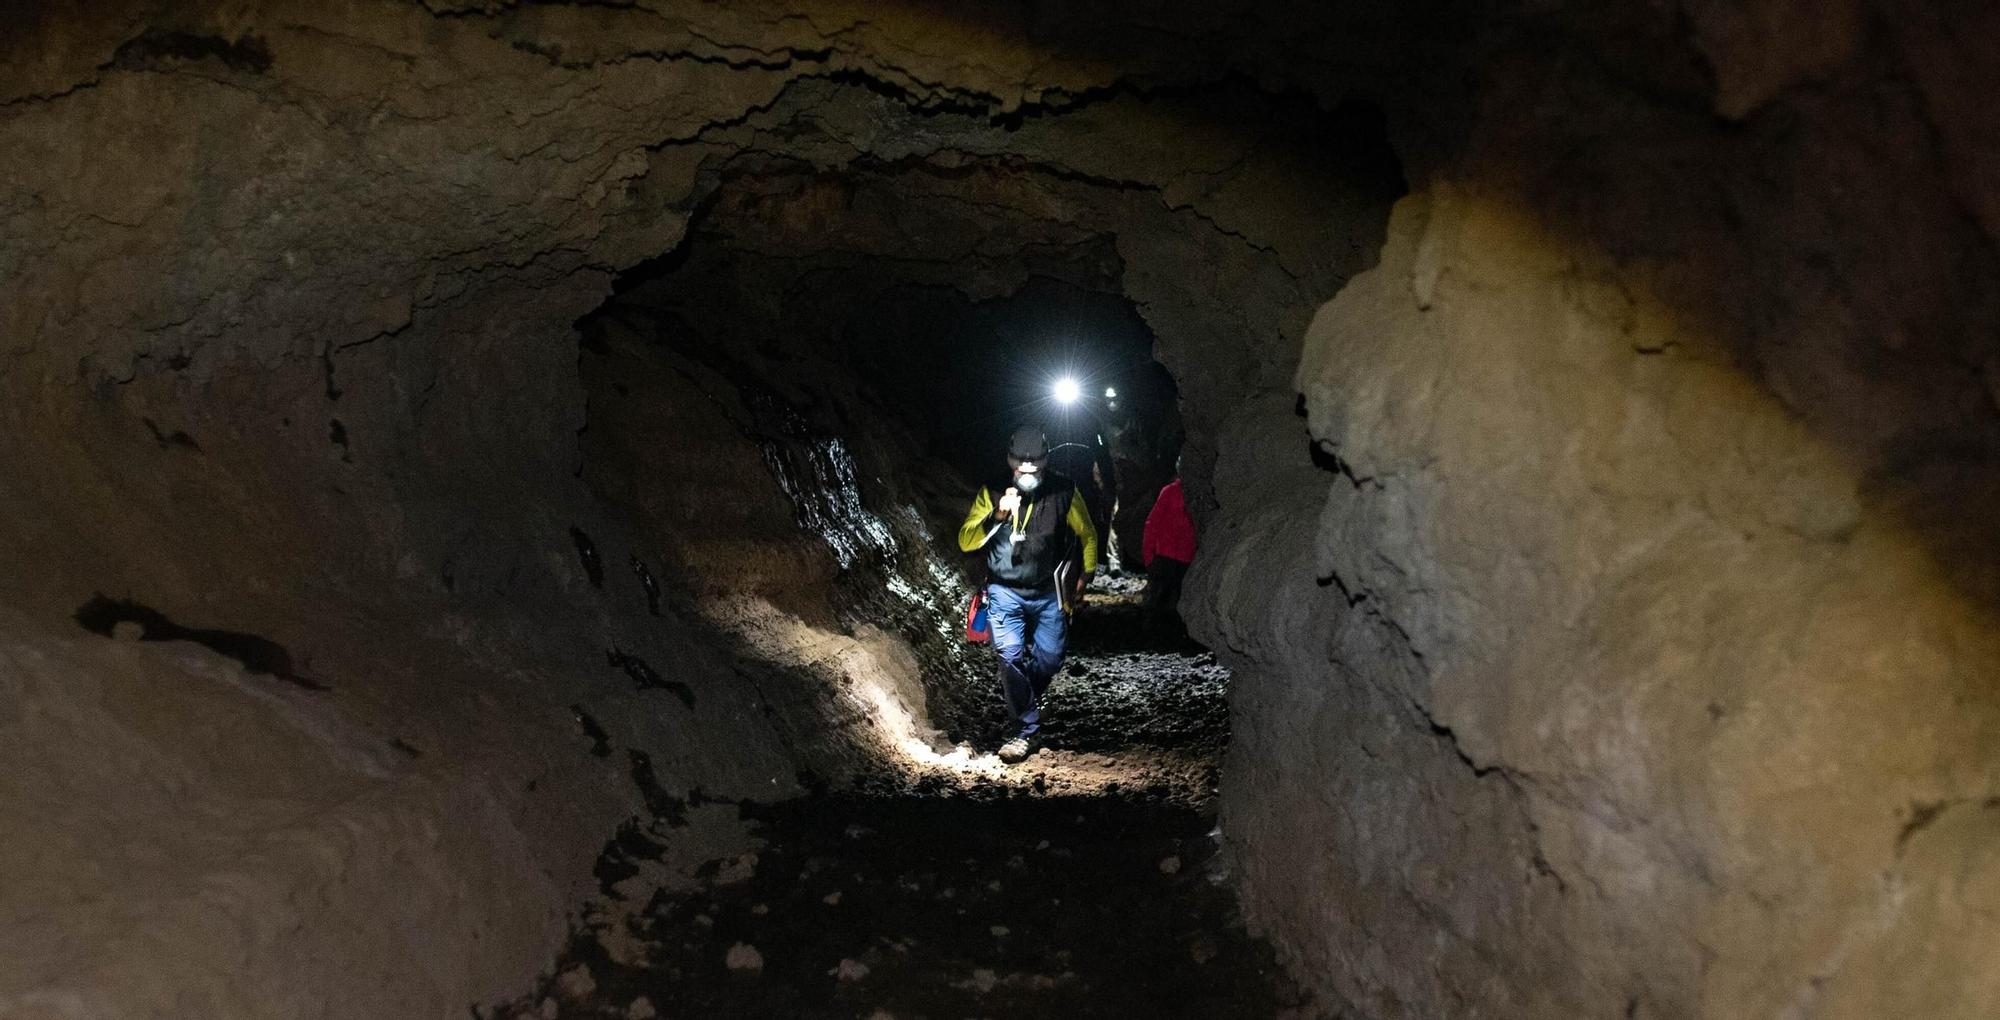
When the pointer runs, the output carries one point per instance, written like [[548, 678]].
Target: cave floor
[[1083, 882]]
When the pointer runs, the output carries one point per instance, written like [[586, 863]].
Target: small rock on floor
[[641, 1009], [736, 869], [743, 956], [576, 982], [850, 970], [1170, 865]]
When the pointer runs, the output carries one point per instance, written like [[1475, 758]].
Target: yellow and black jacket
[[1023, 553]]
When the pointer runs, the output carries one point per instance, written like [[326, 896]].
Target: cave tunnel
[[479, 486]]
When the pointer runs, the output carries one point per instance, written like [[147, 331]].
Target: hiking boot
[[1015, 750]]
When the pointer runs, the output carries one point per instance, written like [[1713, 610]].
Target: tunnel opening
[[879, 391], [797, 337]]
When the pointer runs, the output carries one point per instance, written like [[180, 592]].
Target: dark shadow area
[[159, 48], [1116, 620], [991, 906], [1135, 683], [1004, 358], [646, 678], [257, 655]]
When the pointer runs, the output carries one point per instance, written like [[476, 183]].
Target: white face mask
[[1026, 478]]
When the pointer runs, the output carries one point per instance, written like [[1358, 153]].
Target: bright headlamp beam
[[1067, 390]]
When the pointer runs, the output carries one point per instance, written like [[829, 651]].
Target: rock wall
[[1644, 665], [290, 355], [1613, 633], [289, 372]]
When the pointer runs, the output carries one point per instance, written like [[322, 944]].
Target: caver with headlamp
[[1040, 548]]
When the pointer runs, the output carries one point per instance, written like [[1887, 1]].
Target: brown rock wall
[[1624, 646], [1631, 668]]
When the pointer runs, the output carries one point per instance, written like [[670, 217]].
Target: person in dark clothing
[[1085, 459], [1035, 527], [1166, 549]]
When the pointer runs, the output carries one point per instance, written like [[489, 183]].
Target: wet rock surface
[[1042, 889]]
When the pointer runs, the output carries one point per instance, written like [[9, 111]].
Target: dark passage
[[1084, 883]]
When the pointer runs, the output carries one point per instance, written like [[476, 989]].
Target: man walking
[[1038, 523]]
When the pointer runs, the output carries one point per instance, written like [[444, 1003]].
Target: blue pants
[[1028, 633]]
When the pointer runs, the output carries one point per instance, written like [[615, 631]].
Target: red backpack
[[977, 629]]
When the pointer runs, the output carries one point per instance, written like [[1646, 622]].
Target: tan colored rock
[[744, 957], [576, 982], [1602, 674]]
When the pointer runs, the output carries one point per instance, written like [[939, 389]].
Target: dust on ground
[[1081, 883]]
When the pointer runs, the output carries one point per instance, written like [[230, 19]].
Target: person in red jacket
[[1166, 549]]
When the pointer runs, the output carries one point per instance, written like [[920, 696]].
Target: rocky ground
[[1080, 883]]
